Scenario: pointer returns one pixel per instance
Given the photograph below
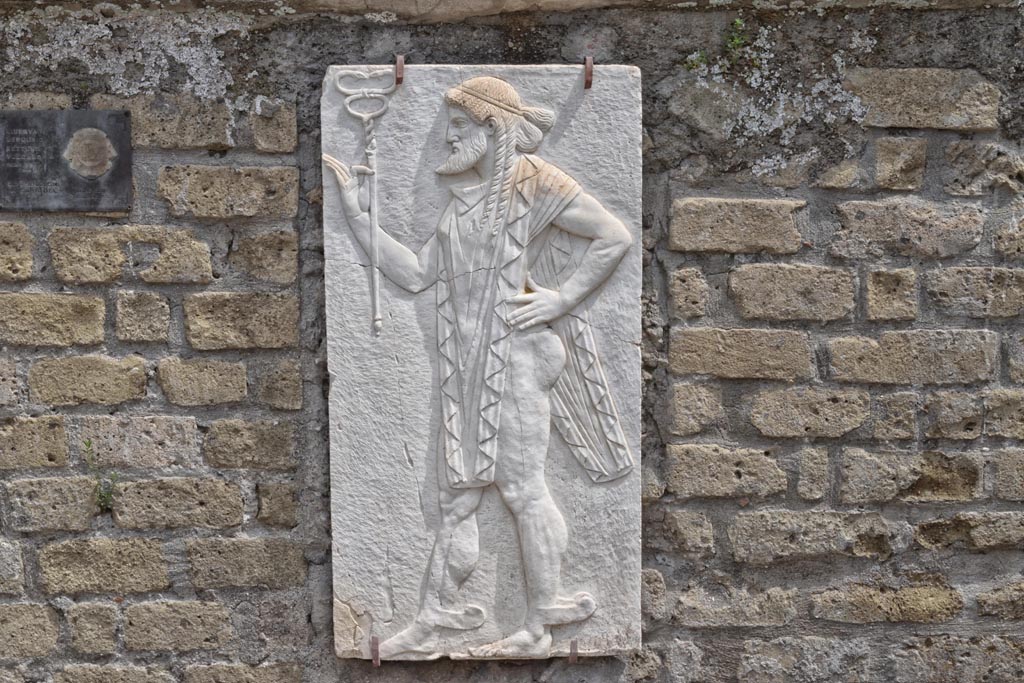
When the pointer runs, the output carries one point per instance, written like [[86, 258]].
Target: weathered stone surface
[[280, 386], [15, 252], [88, 379], [813, 481], [10, 385], [93, 673], [705, 106], [1004, 413], [282, 617], [870, 477], [99, 256], [653, 598], [93, 627], [142, 317], [50, 319], [230, 192], [1009, 239], [82, 256], [847, 174], [684, 662], [174, 121], [652, 485], [920, 599], [688, 292], [735, 607], [687, 532], [916, 357], [977, 292], [768, 536], [387, 11], [1009, 474], [809, 412], [103, 565], [227, 320], [977, 168], [899, 163], [256, 445], [953, 99], [183, 259], [38, 99], [955, 659], [895, 415], [240, 673], [892, 294], [954, 415], [176, 626], [27, 442], [643, 664], [1005, 602], [1014, 355], [771, 291], [906, 227], [739, 226], [27, 630], [52, 504], [274, 126], [975, 531], [12, 568], [139, 442], [202, 382], [271, 257], [247, 562], [753, 354], [694, 406], [278, 506], [805, 659], [177, 502], [707, 471]]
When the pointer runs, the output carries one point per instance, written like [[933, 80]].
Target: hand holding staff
[[353, 197]]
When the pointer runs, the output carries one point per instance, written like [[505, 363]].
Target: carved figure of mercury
[[515, 353]]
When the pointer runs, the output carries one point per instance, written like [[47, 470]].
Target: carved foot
[[568, 610], [417, 641], [469, 618], [520, 645]]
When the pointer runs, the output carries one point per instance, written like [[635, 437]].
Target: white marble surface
[[384, 405]]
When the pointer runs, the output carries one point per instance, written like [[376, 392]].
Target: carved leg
[[536, 361], [451, 561], [543, 539]]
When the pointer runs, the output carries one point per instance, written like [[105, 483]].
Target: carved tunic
[[477, 273]]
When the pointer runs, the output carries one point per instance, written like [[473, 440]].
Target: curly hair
[[517, 128]]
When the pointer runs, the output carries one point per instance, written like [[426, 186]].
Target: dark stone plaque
[[65, 160]]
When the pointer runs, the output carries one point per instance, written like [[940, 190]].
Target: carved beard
[[464, 155]]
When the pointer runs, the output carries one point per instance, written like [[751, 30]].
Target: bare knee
[[457, 505], [522, 496]]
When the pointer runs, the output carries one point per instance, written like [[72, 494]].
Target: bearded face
[[468, 141]]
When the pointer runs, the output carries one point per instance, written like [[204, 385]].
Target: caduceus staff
[[369, 119]]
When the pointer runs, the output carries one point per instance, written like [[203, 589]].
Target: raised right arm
[[412, 271]]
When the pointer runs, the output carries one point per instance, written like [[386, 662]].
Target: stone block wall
[[152, 381], [833, 355]]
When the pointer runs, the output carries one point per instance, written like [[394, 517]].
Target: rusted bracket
[[399, 69]]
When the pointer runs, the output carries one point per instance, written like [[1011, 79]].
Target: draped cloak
[[477, 274]]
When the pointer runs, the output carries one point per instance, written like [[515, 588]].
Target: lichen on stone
[[54, 38]]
